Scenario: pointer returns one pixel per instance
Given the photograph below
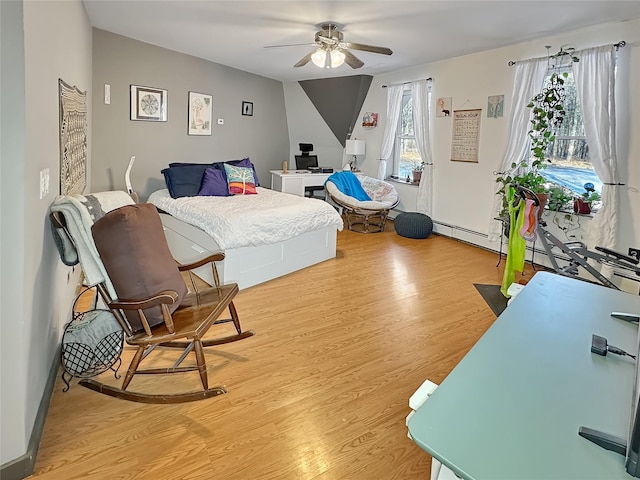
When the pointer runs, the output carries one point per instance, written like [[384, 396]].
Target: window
[[406, 156], [569, 154]]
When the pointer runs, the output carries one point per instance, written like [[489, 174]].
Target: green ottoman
[[413, 225]]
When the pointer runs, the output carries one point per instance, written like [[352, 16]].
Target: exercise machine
[[578, 255]]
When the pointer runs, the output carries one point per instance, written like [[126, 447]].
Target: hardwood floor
[[320, 392]]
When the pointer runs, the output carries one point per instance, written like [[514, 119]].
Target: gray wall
[[37, 289], [120, 61]]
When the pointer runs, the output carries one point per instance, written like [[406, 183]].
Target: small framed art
[[200, 108], [148, 104], [247, 108]]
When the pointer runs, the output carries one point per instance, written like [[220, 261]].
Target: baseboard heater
[[461, 229], [528, 247]]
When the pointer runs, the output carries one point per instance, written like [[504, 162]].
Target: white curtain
[[528, 79], [421, 129], [394, 105], [594, 75], [382, 169]]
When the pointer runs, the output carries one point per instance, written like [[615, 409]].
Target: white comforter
[[250, 220]]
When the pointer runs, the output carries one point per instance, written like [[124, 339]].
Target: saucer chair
[[365, 216]]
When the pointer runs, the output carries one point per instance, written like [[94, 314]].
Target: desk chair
[[304, 162], [145, 290]]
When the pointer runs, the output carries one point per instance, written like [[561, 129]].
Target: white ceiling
[[234, 33]]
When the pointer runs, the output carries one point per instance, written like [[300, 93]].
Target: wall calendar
[[466, 132]]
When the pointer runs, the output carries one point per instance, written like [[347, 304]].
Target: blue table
[[511, 409]]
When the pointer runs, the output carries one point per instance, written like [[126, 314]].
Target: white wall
[[463, 192], [12, 408], [35, 282]]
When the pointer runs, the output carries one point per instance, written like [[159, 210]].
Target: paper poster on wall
[[465, 135], [495, 106]]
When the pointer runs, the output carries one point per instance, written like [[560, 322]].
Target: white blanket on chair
[[80, 212]]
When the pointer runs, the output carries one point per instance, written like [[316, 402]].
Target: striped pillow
[[240, 180]]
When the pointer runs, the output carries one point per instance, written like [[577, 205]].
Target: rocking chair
[[154, 306]]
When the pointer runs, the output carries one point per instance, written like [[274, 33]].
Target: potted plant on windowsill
[[583, 205], [416, 173]]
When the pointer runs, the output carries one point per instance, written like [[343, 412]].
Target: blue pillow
[[214, 183], [184, 180]]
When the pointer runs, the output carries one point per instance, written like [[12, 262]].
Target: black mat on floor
[[492, 295]]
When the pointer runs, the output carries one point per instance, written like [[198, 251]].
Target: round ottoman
[[413, 225]]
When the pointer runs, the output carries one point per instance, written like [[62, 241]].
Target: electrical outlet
[[107, 94], [44, 183]]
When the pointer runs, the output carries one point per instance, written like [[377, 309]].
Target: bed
[[263, 236]]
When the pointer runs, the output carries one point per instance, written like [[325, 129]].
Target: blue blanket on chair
[[349, 184]]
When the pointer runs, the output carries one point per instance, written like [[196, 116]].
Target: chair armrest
[[214, 257], [166, 297]]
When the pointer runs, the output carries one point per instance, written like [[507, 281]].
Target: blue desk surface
[[511, 409]]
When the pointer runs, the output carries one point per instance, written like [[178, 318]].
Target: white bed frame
[[249, 266]]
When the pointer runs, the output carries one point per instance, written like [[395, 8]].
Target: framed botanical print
[[199, 117], [148, 104]]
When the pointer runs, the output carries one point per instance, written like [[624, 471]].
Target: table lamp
[[355, 147]]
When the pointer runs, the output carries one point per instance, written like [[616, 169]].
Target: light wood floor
[[320, 392]]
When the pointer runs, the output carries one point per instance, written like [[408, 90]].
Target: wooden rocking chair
[[155, 308]]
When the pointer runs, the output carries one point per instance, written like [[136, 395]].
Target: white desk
[[294, 181], [512, 407]]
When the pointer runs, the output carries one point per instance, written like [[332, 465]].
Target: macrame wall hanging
[[73, 139]]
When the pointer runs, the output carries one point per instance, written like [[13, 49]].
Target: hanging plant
[[547, 115]]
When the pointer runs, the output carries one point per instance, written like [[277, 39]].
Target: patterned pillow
[[240, 180]]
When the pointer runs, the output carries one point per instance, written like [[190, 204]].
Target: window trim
[[395, 168]]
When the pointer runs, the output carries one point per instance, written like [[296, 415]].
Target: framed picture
[[370, 119], [200, 109], [247, 108], [495, 106], [148, 104], [443, 107]]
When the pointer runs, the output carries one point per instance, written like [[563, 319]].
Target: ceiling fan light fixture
[[337, 58], [327, 58], [319, 57]]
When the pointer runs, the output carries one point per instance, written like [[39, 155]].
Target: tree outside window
[[406, 156], [570, 164]]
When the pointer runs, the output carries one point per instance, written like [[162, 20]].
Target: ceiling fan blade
[[351, 60], [290, 45], [304, 60], [369, 48]]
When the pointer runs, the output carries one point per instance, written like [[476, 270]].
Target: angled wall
[[338, 100]]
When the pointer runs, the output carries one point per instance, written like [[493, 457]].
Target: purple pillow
[[214, 183]]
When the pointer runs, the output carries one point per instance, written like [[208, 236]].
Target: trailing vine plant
[[547, 115]]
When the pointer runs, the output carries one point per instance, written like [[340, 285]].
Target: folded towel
[[349, 184]]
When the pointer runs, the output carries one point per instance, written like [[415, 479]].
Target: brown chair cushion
[[135, 254]]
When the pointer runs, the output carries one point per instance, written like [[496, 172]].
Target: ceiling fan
[[332, 51]]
